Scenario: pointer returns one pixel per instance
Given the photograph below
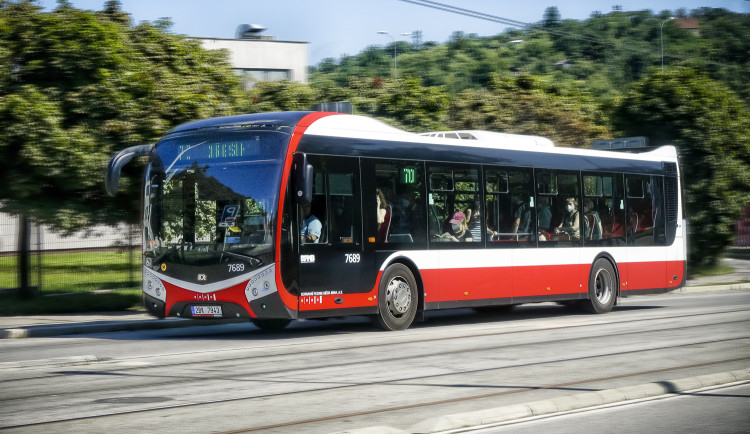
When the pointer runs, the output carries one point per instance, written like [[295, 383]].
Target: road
[[715, 411], [341, 375]]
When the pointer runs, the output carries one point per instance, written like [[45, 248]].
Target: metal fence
[[98, 259]]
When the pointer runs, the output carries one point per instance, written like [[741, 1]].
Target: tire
[[270, 324], [397, 299], [602, 288]]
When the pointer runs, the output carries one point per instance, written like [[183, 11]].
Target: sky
[[345, 27]]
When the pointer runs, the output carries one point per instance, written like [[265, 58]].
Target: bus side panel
[[676, 255], [658, 283], [473, 275], [534, 274], [675, 274], [475, 283], [647, 268]]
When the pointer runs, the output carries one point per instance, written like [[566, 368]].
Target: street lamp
[[661, 36], [386, 33]]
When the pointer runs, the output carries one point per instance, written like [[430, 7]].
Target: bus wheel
[[270, 324], [602, 289], [397, 298]]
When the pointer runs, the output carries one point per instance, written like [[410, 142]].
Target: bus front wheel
[[397, 298], [602, 287]]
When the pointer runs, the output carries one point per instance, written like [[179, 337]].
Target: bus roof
[[358, 127]]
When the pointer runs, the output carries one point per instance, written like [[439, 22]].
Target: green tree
[[551, 18], [272, 96], [531, 105], [83, 85], [75, 87], [711, 128]]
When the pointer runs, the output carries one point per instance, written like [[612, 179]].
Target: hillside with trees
[[603, 54]]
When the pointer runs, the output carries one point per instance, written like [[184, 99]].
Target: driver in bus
[[311, 226]]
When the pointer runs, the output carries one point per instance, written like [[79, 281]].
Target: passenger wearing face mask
[[458, 232], [570, 223]]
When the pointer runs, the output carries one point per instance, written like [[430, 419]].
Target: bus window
[[559, 213], [343, 215], [510, 207], [401, 184], [645, 210], [452, 200], [335, 201], [603, 210]]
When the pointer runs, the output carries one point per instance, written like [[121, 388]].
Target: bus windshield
[[211, 197]]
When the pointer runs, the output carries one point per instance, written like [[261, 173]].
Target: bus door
[[332, 260], [646, 232]]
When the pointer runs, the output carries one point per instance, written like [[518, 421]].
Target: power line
[[514, 23], [493, 18]]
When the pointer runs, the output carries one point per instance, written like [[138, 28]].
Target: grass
[[716, 270], [72, 283], [76, 271]]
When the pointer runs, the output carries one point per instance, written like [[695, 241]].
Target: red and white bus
[[406, 223]]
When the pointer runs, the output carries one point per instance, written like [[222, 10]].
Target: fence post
[[131, 273], [39, 273], [24, 270]]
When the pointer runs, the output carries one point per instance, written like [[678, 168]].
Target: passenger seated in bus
[[593, 228], [458, 232], [570, 224], [473, 217], [311, 226]]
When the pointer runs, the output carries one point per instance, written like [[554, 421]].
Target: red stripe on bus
[[289, 300], [456, 284]]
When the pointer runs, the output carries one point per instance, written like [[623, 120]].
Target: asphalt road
[[343, 375], [716, 411]]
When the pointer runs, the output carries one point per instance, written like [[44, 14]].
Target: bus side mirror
[[302, 173], [112, 176]]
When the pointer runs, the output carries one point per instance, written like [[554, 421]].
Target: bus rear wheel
[[270, 324], [397, 298], [602, 288]]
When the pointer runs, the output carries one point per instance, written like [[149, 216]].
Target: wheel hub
[[603, 287], [399, 296]]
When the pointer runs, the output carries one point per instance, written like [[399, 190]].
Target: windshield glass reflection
[[209, 200]]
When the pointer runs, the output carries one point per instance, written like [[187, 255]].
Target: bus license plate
[[205, 310]]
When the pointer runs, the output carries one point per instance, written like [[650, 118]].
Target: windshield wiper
[[254, 260], [171, 249]]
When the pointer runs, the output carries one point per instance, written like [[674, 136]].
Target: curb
[[494, 416], [107, 326], [40, 331], [716, 287]]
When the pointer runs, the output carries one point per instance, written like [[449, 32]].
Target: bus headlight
[[153, 286]]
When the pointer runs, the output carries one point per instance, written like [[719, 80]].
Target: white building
[[262, 58]]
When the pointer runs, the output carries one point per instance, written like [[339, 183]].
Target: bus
[[276, 217]]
